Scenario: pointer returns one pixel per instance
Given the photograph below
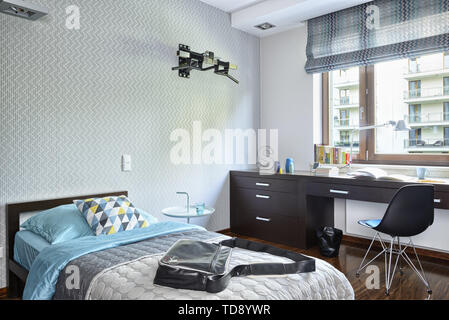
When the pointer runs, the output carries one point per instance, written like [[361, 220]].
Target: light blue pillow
[[59, 224]]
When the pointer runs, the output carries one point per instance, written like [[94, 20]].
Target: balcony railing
[[426, 93], [429, 144], [429, 117], [421, 69], [349, 122], [346, 144], [414, 69], [346, 101], [348, 77]]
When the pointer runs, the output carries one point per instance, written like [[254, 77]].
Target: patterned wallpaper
[[73, 101]]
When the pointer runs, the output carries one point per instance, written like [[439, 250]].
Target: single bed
[[27, 246], [123, 266]]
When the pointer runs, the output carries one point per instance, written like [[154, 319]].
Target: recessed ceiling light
[[265, 26]]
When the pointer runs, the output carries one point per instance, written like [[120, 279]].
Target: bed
[[122, 266]]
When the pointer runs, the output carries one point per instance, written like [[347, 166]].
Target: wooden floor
[[405, 287]]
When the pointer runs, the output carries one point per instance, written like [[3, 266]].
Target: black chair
[[411, 212]]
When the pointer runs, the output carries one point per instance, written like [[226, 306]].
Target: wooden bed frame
[[17, 275]]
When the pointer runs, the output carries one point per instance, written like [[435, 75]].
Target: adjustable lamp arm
[[399, 126]]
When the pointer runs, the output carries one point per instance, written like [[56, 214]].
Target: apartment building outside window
[[345, 96], [415, 113], [415, 138], [345, 138], [413, 65], [446, 111], [343, 107], [415, 90], [446, 85], [446, 136]]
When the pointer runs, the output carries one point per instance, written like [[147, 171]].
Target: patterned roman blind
[[377, 31]]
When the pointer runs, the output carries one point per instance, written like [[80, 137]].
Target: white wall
[[287, 95], [73, 101]]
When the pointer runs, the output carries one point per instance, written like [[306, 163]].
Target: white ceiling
[[284, 14], [231, 5]]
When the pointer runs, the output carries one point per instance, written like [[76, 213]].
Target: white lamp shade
[[401, 125]]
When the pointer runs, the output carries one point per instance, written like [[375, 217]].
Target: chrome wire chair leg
[[421, 274], [388, 268], [389, 274], [362, 265]]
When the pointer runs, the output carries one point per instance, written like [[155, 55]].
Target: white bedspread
[[134, 280]]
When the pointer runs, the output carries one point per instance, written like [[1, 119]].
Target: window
[[344, 118], [413, 66], [343, 107], [446, 136], [446, 85], [414, 88], [446, 111], [345, 138], [415, 113], [409, 89], [345, 96], [414, 138]]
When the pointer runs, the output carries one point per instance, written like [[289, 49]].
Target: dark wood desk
[[288, 209]]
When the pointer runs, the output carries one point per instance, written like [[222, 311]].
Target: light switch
[[126, 163], [2, 252]]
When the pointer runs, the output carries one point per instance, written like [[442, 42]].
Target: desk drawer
[[267, 184], [266, 202], [274, 228], [360, 193], [442, 200]]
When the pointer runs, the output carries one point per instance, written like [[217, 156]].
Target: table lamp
[[398, 126]]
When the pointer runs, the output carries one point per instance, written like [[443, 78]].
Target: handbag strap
[[301, 264]]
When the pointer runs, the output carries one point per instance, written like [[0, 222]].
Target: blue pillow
[[59, 224]]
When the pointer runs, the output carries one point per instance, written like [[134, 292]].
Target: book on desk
[[379, 174]]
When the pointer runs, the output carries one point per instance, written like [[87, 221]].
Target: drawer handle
[[263, 219], [262, 184], [259, 196], [437, 200], [339, 192]]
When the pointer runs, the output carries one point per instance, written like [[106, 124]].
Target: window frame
[[367, 154]]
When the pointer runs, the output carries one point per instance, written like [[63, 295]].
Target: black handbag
[[330, 240], [200, 266]]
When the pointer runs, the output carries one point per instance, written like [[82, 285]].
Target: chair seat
[[370, 223]]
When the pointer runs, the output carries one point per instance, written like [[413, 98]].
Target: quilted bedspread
[[127, 273]]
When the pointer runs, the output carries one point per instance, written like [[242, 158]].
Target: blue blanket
[[44, 273]]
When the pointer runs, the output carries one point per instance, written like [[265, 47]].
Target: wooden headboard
[[13, 212]]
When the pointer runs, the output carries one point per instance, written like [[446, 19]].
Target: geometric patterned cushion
[[111, 215]]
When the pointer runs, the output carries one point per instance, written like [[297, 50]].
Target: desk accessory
[[327, 171], [277, 165], [289, 166], [421, 173]]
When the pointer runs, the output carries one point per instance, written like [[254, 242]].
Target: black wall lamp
[[189, 60]]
